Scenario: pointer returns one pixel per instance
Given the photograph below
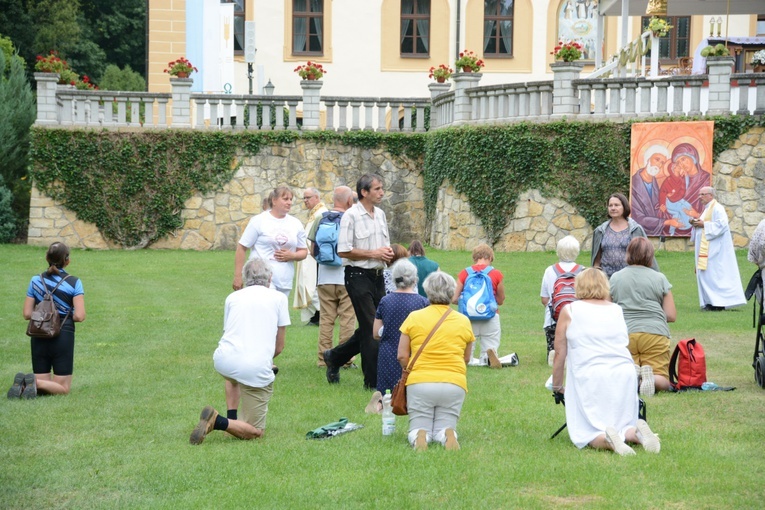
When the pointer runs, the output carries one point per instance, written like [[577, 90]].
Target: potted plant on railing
[[52, 63], [567, 52], [659, 27], [758, 61], [715, 51], [180, 68], [310, 71], [84, 83], [441, 73], [469, 62]]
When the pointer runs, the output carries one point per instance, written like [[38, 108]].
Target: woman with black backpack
[[52, 358]]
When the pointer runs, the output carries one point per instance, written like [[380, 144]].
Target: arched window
[[498, 28], [578, 21]]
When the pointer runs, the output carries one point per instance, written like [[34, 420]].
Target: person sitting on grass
[[56, 354], [601, 384], [487, 331], [567, 250], [648, 305], [254, 324]]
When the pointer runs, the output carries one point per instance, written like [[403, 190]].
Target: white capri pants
[[488, 333], [433, 407]]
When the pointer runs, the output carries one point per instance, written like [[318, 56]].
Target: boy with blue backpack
[[480, 291]]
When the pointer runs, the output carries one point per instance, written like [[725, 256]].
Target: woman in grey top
[[610, 239], [648, 305]]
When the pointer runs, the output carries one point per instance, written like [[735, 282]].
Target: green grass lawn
[[143, 371]]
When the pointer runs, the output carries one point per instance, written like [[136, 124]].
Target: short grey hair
[[568, 249], [710, 190], [439, 287], [256, 272], [404, 274], [314, 191]]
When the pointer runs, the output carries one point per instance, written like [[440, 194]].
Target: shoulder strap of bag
[[673, 366], [419, 351], [54, 290]]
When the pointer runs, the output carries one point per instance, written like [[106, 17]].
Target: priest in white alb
[[717, 272], [306, 295]]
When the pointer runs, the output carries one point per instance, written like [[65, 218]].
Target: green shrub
[[7, 218]]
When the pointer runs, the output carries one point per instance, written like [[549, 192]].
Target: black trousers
[[366, 287]]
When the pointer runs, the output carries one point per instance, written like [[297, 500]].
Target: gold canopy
[[656, 8]]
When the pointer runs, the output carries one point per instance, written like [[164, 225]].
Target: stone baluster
[[695, 83], [565, 98], [502, 104], [355, 115], [122, 111], [47, 107], [181, 92], [252, 117], [645, 87], [394, 108], [585, 99], [239, 113], [719, 85], [382, 110], [342, 114], [743, 96], [599, 96], [368, 114], [292, 105], [161, 112], [463, 109], [512, 103], [523, 103], [407, 128], [135, 119], [534, 106], [614, 98], [420, 127], [311, 103], [215, 108], [678, 88], [200, 103], [661, 98], [330, 105], [546, 99], [109, 110], [630, 90], [759, 81], [227, 112]]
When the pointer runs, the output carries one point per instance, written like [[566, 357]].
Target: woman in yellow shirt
[[437, 383]]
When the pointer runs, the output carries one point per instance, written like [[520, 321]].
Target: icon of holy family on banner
[[669, 163]]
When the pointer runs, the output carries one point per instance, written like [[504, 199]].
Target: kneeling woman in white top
[[601, 384]]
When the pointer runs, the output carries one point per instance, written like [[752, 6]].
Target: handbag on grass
[[45, 321], [398, 397]]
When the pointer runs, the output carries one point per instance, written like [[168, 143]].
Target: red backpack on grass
[[688, 366]]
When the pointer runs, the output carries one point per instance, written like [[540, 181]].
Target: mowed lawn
[[143, 371]]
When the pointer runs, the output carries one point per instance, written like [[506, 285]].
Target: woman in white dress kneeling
[[601, 383]]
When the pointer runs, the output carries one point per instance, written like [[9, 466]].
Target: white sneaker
[[647, 386], [475, 362], [551, 357], [617, 443], [510, 360], [647, 438]]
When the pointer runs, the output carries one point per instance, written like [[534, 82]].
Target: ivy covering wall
[[133, 186]]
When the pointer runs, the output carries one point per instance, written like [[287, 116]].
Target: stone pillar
[[181, 92], [565, 97], [463, 109], [436, 89], [46, 98], [719, 85], [311, 103]]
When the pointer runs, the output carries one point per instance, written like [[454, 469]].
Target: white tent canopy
[[684, 7]]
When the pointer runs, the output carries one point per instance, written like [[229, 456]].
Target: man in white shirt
[[364, 244]]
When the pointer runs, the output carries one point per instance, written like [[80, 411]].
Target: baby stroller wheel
[[759, 371]]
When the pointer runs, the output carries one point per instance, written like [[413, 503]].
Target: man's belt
[[377, 272]]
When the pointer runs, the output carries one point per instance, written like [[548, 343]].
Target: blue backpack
[[327, 234], [477, 301]]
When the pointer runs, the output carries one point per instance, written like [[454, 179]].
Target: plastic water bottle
[[388, 418]]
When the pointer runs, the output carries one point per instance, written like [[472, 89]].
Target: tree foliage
[[17, 113], [115, 78]]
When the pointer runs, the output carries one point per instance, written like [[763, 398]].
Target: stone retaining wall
[[216, 220]]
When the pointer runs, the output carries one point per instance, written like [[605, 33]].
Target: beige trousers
[[334, 304]]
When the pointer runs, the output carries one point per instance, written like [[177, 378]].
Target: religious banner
[[578, 21], [669, 163]]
